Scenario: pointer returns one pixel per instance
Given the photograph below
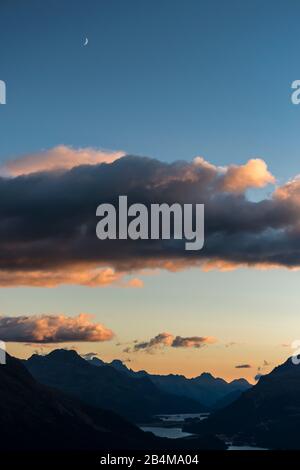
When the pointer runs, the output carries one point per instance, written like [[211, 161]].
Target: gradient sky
[[170, 79]]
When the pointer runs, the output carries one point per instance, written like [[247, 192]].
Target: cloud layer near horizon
[[48, 218], [168, 340], [52, 329]]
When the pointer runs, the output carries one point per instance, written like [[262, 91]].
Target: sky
[[170, 80]]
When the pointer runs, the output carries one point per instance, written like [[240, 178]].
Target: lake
[[179, 418], [171, 433], [176, 432]]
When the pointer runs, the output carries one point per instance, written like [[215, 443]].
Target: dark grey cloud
[[168, 340], [192, 341], [243, 366], [48, 220]]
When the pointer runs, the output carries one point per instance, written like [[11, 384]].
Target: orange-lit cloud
[[75, 275], [58, 158], [254, 174], [52, 329], [168, 340]]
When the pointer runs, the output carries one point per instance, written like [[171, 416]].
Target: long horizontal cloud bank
[[52, 329], [48, 218], [58, 158]]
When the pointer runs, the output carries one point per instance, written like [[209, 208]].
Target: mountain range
[[136, 398], [39, 418], [62, 401], [211, 392], [267, 415]]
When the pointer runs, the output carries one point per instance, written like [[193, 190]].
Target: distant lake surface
[[176, 433], [181, 417], [245, 448], [171, 433]]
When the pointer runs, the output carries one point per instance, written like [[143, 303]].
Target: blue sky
[[170, 79]]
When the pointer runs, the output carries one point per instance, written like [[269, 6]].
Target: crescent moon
[[86, 42]]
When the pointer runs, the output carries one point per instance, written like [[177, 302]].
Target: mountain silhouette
[[208, 390], [34, 417], [138, 399], [267, 415]]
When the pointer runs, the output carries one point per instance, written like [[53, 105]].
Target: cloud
[[243, 366], [89, 355], [79, 275], [58, 158], [168, 340], [48, 219], [52, 329], [254, 174], [192, 341], [162, 339], [230, 344], [263, 367]]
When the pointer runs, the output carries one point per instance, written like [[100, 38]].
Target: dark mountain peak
[[66, 356], [135, 397], [286, 366], [59, 358], [95, 361], [208, 378], [207, 375], [267, 415], [13, 369], [118, 362], [119, 365], [37, 418], [170, 376], [241, 383]]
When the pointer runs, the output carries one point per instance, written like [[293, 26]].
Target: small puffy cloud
[[264, 365], [236, 178], [58, 158], [168, 340], [162, 339], [89, 355], [52, 329], [243, 366], [192, 341], [254, 174], [261, 369]]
